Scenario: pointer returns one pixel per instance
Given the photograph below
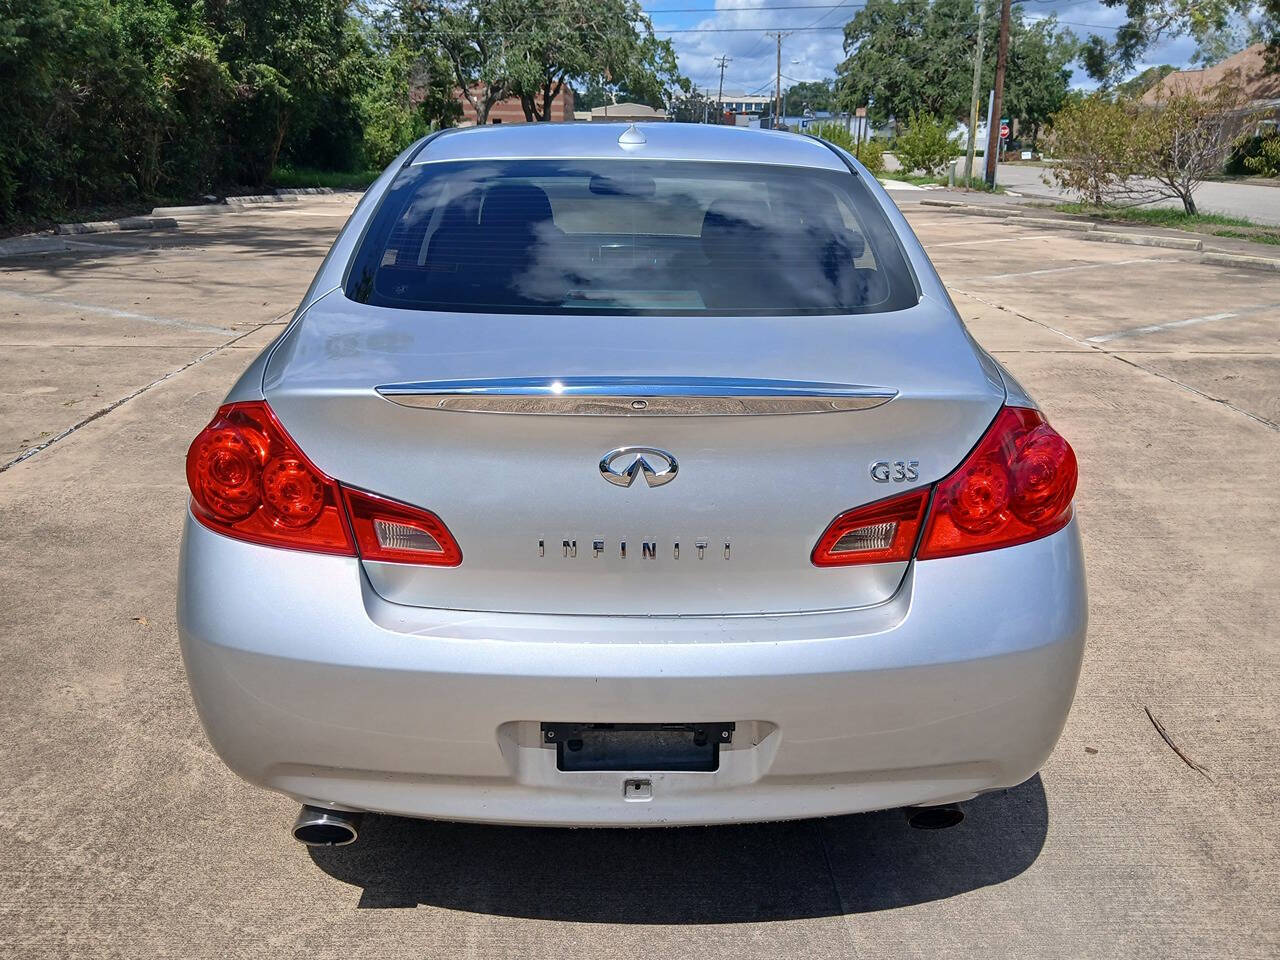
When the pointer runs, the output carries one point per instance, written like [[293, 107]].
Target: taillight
[[249, 480], [390, 530], [880, 532], [1015, 486]]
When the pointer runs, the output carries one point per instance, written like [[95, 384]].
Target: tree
[[1187, 139], [905, 55], [1038, 75], [286, 59], [1123, 152], [918, 55], [814, 94], [1094, 146], [589, 41], [1136, 86], [924, 144], [472, 37], [1219, 27], [693, 107]]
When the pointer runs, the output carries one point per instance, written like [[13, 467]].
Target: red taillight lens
[[249, 480], [877, 533], [394, 531], [1015, 486]]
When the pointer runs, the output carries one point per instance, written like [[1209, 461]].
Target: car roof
[[652, 141]]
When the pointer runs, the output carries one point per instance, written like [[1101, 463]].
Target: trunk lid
[[509, 429]]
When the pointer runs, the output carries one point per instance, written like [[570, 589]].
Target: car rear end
[[630, 488]]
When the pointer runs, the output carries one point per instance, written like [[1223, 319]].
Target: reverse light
[[389, 530], [881, 532], [1014, 487], [249, 480]]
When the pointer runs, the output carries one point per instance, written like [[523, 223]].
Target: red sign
[[1004, 131]]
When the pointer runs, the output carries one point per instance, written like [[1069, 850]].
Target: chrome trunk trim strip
[[636, 397]]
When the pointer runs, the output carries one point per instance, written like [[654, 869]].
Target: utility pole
[[724, 62], [777, 90], [973, 100], [993, 128]]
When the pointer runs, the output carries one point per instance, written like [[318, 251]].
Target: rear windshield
[[630, 237]]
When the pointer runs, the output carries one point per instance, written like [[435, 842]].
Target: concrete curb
[[302, 191], [1003, 213], [943, 203], [263, 198], [196, 208], [115, 226], [24, 246], [1079, 226], [1239, 260], [1146, 240]]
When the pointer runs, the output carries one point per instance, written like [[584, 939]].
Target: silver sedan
[[629, 476]]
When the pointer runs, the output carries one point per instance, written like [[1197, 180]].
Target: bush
[[924, 144], [870, 153], [1258, 155], [1092, 141]]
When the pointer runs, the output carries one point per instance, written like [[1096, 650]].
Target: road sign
[[1004, 129]]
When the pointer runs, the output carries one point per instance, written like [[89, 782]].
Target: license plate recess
[[690, 747]]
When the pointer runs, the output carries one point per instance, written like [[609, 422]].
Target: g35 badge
[[895, 471]]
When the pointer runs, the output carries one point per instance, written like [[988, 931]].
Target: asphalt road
[[126, 837], [1257, 202]]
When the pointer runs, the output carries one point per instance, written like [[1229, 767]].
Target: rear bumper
[[309, 683]]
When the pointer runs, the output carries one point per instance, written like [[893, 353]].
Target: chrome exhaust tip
[[317, 827], [935, 818]]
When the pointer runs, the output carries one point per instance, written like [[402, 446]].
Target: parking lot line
[[113, 312], [1128, 360], [1172, 324], [1078, 266]]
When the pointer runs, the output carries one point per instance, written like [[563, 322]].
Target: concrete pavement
[[1257, 202], [125, 836]]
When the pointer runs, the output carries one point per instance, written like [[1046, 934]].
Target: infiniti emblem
[[638, 459]]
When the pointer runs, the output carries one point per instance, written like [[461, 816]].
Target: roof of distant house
[[629, 110], [1254, 81]]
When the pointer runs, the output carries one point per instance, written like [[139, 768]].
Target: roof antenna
[[631, 137]]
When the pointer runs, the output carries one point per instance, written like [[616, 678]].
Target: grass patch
[[917, 179], [940, 179], [1156, 216], [1206, 223], [1260, 236], [979, 183], [334, 179]]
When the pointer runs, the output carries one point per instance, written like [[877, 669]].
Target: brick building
[[510, 111]]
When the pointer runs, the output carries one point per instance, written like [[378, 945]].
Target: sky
[[813, 50]]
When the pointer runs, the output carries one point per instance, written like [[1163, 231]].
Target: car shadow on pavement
[[729, 874]]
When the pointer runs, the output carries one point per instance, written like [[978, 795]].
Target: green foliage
[[529, 49], [117, 101], [289, 176], [1135, 87], [1219, 27], [1093, 145], [1122, 152], [924, 144], [1263, 159], [905, 55], [814, 94], [870, 153]]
